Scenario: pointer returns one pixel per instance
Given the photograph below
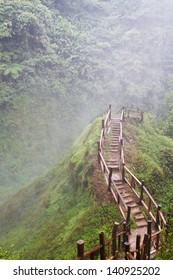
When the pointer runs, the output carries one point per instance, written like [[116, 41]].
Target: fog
[[125, 59]]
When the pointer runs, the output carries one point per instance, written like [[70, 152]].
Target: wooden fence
[[108, 171], [118, 246], [111, 248]]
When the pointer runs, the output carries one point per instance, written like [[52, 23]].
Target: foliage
[[62, 61], [152, 152], [58, 209]]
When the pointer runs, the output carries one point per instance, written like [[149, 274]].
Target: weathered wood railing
[[111, 248], [118, 246], [108, 171], [130, 113], [108, 249], [145, 198]]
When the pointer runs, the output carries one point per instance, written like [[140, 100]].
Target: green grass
[[45, 219], [149, 154], [150, 157]]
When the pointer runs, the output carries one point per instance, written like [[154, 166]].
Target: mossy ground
[[45, 219], [149, 154]]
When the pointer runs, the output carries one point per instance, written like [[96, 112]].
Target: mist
[[99, 53]]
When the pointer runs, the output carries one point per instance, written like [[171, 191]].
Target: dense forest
[[61, 64]]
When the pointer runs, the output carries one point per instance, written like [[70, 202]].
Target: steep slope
[[45, 219], [149, 153], [59, 58]]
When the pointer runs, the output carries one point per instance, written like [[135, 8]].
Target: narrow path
[[112, 156]]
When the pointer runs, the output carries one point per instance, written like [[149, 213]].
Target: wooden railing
[[132, 113], [145, 198], [108, 249], [111, 248], [143, 195], [108, 171], [118, 246]]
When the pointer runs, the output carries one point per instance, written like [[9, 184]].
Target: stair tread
[[141, 223]]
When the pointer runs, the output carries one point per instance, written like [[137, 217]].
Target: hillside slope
[[60, 58], [149, 154], [45, 219]]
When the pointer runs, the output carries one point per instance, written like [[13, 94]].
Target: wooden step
[[141, 223], [112, 151], [132, 204], [127, 200], [126, 195], [135, 210], [113, 160], [119, 185], [139, 216], [114, 145]]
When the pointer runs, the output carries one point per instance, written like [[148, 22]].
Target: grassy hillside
[[45, 219], [149, 153], [58, 59]]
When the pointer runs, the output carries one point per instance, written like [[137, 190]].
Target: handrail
[[117, 196], [141, 192], [107, 118], [104, 163], [114, 184], [132, 175], [122, 115], [116, 238], [140, 195]]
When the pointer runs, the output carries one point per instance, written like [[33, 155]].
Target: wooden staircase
[[133, 199], [112, 155]]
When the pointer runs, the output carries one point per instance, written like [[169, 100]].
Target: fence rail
[[119, 242], [145, 198]]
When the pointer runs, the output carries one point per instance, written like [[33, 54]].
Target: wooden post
[[110, 177], [149, 240], [142, 193], [102, 242], [92, 256], [158, 216], [128, 215], [145, 245], [114, 242], [138, 252], [80, 249], [123, 172], [124, 232], [118, 199], [127, 249], [123, 113]]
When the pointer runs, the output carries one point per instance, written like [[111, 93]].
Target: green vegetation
[[150, 155], [46, 218], [61, 64]]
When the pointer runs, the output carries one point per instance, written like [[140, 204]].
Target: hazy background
[[64, 62]]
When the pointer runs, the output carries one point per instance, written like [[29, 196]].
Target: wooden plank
[[104, 162], [133, 175]]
